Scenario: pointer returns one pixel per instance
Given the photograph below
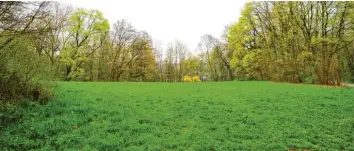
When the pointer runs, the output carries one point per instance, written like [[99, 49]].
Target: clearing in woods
[[188, 116]]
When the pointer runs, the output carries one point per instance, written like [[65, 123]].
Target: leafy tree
[[87, 32], [272, 40], [143, 65], [191, 65], [240, 39]]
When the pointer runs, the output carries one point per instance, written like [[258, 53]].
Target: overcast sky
[[167, 20]]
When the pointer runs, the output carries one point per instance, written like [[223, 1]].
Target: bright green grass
[[188, 116]]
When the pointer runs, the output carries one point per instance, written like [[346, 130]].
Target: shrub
[[23, 71], [13, 88], [309, 80], [196, 79], [187, 79], [24, 79]]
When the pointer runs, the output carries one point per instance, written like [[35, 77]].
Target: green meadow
[[204, 116]]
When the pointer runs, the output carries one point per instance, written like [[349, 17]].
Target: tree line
[[300, 42], [296, 42]]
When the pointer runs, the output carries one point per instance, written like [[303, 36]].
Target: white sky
[[167, 20]]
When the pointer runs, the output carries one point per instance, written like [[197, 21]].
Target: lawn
[[188, 116]]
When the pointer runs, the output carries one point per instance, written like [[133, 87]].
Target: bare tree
[[52, 42], [169, 64], [158, 52], [176, 54], [181, 53], [225, 33], [123, 36], [222, 54], [19, 18], [206, 45]]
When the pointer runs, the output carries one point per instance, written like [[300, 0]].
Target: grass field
[[188, 116]]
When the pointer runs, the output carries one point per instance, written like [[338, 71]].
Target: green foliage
[[239, 34], [23, 71], [143, 66], [191, 65], [295, 47], [239, 39], [184, 116], [87, 31], [309, 80]]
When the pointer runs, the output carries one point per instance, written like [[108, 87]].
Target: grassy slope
[[189, 116]]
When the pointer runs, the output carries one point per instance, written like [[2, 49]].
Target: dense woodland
[[300, 42]]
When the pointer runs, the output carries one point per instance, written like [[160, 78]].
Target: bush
[[196, 79], [23, 71], [309, 80], [18, 95], [14, 88], [187, 79], [24, 76]]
